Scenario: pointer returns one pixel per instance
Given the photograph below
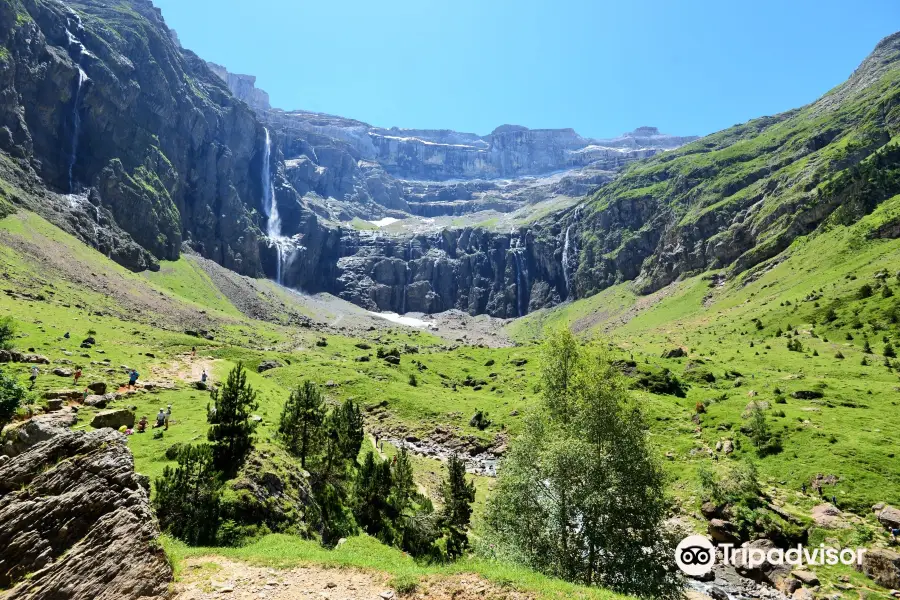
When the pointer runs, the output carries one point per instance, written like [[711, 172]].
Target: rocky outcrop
[[242, 86], [75, 520]]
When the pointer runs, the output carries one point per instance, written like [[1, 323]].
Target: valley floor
[[733, 334]]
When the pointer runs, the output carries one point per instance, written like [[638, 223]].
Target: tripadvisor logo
[[696, 555]]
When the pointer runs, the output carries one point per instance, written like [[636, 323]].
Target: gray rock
[[882, 566], [889, 517], [806, 577], [75, 522], [98, 387], [61, 372], [268, 365], [114, 418]]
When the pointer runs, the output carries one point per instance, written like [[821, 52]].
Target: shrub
[[889, 351], [412, 380], [480, 420], [865, 291], [7, 333], [12, 396]]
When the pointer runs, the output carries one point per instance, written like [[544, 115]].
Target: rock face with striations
[[75, 519]]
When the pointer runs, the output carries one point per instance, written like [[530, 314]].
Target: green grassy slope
[[740, 196]]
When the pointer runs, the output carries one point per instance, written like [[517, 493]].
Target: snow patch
[[384, 222], [402, 320]]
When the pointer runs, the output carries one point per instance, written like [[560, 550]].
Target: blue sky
[[602, 68]]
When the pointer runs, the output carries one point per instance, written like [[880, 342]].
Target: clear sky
[[600, 67]]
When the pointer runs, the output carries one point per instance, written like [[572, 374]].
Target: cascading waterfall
[[76, 107], [270, 208], [521, 276], [566, 260]]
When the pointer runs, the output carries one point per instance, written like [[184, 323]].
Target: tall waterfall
[[78, 49], [270, 208], [76, 127], [519, 258], [567, 262]]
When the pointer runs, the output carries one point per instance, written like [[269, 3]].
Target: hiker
[[84, 396], [77, 374], [193, 351], [834, 500], [204, 376], [160, 419], [894, 533], [142, 424], [803, 487], [133, 378], [168, 415], [34, 374]]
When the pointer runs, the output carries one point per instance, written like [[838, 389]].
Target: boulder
[[98, 401], [710, 510], [35, 359], [727, 446], [674, 353], [392, 360], [114, 418], [268, 365], [768, 573], [98, 387], [75, 521], [54, 404], [789, 585], [807, 395], [803, 594], [806, 577], [63, 395], [889, 517], [828, 515], [882, 566], [62, 372], [722, 531]]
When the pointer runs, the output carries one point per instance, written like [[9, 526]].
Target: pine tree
[[457, 494], [889, 351], [187, 497], [300, 427], [232, 430], [348, 422]]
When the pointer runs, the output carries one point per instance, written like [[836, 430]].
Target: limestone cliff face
[[473, 270]]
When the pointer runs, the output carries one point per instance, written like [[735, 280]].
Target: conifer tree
[[232, 429], [302, 418]]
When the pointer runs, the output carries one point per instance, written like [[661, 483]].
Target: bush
[[889, 351], [7, 333], [480, 420], [12, 396], [865, 291], [413, 381]]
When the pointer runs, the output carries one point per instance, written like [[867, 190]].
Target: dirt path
[[184, 368], [213, 577]]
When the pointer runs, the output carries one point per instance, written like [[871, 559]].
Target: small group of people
[[162, 420]]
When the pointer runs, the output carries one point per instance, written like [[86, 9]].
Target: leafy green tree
[[232, 429], [759, 426], [12, 396], [580, 494], [7, 333], [187, 497], [302, 417]]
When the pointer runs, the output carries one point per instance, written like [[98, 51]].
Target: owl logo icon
[[695, 555]]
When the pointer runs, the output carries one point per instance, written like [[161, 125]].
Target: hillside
[[739, 197]]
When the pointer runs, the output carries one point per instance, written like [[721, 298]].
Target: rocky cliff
[[75, 520]]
